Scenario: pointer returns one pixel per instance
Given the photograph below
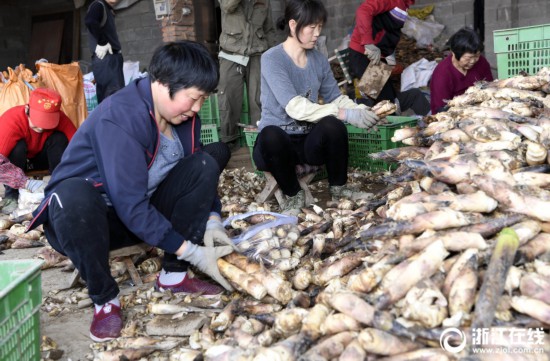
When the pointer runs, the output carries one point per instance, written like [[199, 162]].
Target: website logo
[[452, 334]]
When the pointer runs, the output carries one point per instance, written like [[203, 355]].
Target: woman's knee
[[220, 152], [76, 195], [58, 137], [273, 139], [333, 126]]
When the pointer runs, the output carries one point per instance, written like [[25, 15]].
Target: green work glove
[[206, 260]]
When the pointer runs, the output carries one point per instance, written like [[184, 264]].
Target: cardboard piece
[[374, 78]]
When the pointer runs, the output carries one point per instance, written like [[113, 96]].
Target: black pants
[[277, 152], [409, 99], [108, 75], [220, 152], [48, 158], [82, 226]]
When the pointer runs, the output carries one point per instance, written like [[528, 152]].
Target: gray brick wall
[[138, 30]]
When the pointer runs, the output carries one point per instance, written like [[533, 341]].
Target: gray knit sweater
[[283, 80]]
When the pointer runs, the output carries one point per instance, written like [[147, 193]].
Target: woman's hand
[[206, 260], [361, 118]]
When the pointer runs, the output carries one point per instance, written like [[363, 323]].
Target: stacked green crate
[[209, 134], [525, 49], [209, 112]]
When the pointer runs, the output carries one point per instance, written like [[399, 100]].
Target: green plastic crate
[[209, 133], [362, 143], [20, 299], [522, 49], [250, 135], [209, 112]]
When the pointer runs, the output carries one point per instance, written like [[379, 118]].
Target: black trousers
[[409, 99], [82, 226], [48, 158], [277, 152], [108, 75]]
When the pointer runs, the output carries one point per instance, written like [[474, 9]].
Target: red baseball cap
[[45, 107]]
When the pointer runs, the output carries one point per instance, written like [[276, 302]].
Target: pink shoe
[[192, 285], [107, 323]]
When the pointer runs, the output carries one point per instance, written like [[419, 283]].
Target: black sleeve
[[93, 20]]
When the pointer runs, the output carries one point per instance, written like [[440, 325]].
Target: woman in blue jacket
[[135, 172]]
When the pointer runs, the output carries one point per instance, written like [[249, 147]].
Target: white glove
[[373, 53], [102, 50], [390, 60], [206, 259], [35, 186], [361, 118], [215, 233]]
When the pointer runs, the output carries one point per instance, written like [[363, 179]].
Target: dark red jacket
[[447, 82]]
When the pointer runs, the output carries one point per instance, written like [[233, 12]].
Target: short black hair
[[184, 64], [466, 40], [304, 12]]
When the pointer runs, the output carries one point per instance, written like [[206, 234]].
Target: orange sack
[[67, 80], [14, 92]]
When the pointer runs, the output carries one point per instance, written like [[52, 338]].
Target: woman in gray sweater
[[295, 128]]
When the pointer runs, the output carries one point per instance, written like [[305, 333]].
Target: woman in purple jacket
[[460, 70]]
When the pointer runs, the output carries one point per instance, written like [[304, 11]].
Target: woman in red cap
[[34, 136]]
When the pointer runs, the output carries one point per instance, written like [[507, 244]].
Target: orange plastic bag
[[14, 92], [27, 76], [67, 80]]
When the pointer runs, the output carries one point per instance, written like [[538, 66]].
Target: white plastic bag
[[270, 242], [424, 32], [130, 70], [417, 74], [280, 219], [27, 202]]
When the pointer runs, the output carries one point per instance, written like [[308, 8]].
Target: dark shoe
[[107, 323], [9, 205], [192, 285]]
